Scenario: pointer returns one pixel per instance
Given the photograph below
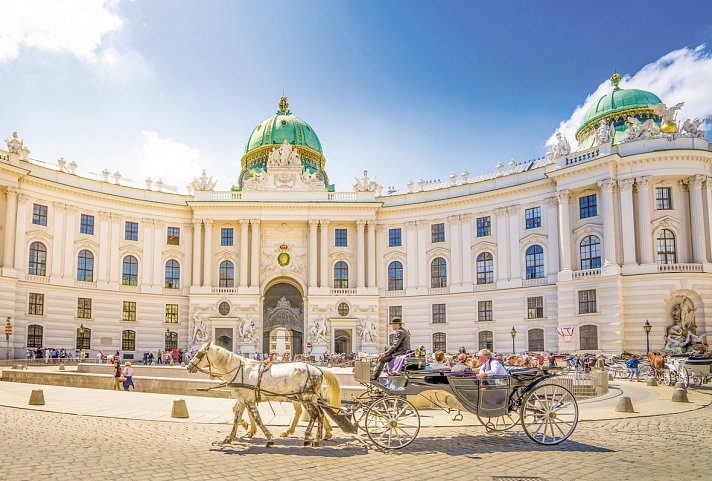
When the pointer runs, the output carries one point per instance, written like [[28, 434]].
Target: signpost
[[8, 333], [309, 347]]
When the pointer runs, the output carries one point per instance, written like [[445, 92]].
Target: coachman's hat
[[396, 320]]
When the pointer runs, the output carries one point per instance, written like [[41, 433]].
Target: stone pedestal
[[247, 347], [319, 348], [369, 347]]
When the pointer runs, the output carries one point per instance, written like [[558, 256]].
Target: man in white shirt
[[490, 367]]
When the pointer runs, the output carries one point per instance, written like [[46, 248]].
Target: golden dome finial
[[616, 79], [283, 105]]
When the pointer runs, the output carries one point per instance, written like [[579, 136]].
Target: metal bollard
[[624, 405], [180, 409], [37, 398]]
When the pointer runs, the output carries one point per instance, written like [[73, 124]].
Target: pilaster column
[[563, 196], [378, 264], [187, 267], [244, 251], [208, 252], [70, 228], [552, 234], [423, 267], [502, 235], [455, 250], [697, 219], [8, 250], [313, 224], [360, 254], [372, 264], [104, 240], [144, 266], [625, 187], [708, 194], [20, 247], [515, 259], [411, 252], [466, 247], [255, 253], [113, 254], [197, 249], [58, 239], [324, 253], [609, 222], [644, 236], [157, 266]]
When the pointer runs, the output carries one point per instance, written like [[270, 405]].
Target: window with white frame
[[535, 307], [438, 313], [587, 301]]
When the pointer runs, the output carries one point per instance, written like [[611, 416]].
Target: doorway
[[283, 318], [342, 341]]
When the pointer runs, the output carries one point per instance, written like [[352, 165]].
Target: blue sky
[[405, 89]]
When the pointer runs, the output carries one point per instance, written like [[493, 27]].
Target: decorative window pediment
[[394, 256], [339, 256], [666, 222], [438, 252], [172, 254], [588, 229], [484, 246], [39, 235], [130, 249], [533, 239]]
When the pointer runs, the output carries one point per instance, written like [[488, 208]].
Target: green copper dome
[[283, 125]]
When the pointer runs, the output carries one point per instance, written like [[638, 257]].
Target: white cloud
[[683, 75], [75, 27], [167, 159]]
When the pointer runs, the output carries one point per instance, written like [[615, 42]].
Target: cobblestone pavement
[[43, 445]]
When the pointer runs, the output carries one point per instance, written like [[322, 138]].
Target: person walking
[[128, 376], [117, 375], [632, 364]]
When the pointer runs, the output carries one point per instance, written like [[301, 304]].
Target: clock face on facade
[[283, 259]]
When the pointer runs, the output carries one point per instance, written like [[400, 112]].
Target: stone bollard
[[679, 395], [651, 381], [182, 364], [624, 405], [610, 376], [37, 398], [61, 366], [180, 410]]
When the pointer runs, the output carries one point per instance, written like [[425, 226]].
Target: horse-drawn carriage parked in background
[[693, 371], [547, 412]]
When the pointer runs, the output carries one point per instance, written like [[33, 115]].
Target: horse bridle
[[209, 371]]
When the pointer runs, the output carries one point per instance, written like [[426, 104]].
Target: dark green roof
[[618, 101], [283, 125]]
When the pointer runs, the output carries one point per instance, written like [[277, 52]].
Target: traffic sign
[[309, 346]]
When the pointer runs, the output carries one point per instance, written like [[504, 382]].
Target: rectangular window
[[128, 341], [131, 231], [394, 237], [438, 313], [535, 307], [532, 217], [663, 198], [587, 301], [172, 313], [173, 236], [340, 237], [437, 232], [588, 206], [484, 226], [39, 214], [226, 236], [83, 308], [395, 311], [36, 307], [484, 311], [86, 224], [129, 311]]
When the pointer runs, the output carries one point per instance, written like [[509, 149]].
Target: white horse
[[251, 380]]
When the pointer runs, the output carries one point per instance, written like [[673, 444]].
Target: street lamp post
[[8, 333], [647, 327], [513, 332]]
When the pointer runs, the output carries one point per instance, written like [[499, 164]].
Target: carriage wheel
[[696, 380], [501, 423], [392, 422], [645, 373], [549, 414], [669, 377]]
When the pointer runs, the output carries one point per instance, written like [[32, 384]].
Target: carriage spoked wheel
[[668, 377], [501, 423], [392, 422], [549, 414], [645, 373]]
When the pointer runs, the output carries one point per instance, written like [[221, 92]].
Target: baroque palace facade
[[574, 251]]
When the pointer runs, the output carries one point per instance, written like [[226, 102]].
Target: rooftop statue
[[605, 132], [203, 183], [283, 156], [366, 184], [560, 149], [691, 127], [14, 145], [637, 130], [667, 124]]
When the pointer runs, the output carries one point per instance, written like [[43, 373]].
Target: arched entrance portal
[[283, 320]]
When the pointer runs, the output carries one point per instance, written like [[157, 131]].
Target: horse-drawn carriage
[[692, 371]]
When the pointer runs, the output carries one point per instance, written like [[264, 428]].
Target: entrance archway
[[342, 341], [283, 318]]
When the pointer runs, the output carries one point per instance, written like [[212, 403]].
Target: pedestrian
[[128, 376], [118, 379], [632, 365]]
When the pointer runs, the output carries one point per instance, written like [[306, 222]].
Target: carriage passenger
[[490, 367], [440, 361], [461, 364]]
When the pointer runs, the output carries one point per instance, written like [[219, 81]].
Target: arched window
[[34, 336], [535, 340], [38, 259], [129, 273], [128, 340], [172, 274], [485, 268], [589, 338], [535, 262], [83, 338], [341, 275], [486, 340], [171, 340], [395, 276], [226, 275], [438, 273], [667, 251], [439, 342], [590, 250], [85, 266]]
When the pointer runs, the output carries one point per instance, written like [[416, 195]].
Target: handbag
[[122, 379]]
